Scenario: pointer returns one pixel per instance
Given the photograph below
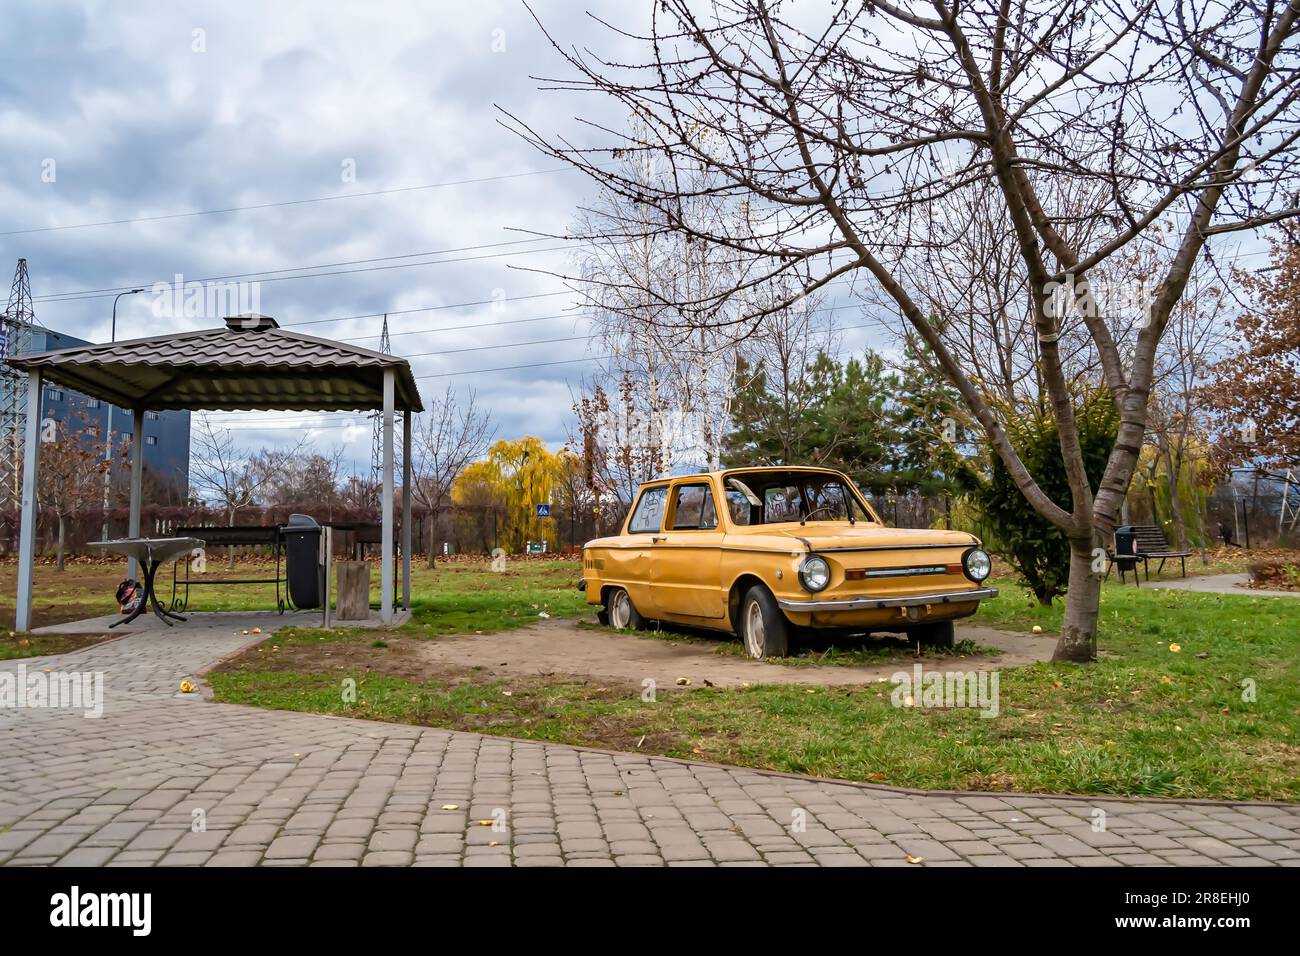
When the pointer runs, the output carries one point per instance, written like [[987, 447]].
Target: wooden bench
[[1149, 543]]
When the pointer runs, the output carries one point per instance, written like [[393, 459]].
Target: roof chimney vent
[[251, 322]]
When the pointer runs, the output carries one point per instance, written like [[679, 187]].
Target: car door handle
[[656, 538]]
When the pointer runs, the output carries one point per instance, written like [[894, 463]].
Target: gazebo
[[249, 364]]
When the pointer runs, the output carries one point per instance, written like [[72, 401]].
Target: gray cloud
[[283, 95]]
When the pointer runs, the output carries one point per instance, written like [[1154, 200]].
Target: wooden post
[[354, 590]]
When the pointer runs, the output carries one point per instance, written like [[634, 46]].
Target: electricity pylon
[[15, 338]]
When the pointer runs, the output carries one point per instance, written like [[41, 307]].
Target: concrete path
[[170, 779], [1219, 584]]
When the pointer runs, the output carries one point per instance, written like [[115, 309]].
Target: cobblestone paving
[[286, 789]]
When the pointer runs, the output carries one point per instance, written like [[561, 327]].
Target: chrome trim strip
[[870, 603], [903, 572]]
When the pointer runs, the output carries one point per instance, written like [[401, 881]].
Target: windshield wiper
[[805, 518]]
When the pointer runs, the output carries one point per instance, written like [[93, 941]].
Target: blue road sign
[[543, 511]]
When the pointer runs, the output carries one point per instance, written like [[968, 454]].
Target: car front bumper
[[875, 603]]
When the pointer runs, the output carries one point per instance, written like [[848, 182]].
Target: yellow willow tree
[[519, 475]]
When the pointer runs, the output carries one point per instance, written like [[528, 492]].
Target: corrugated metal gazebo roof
[[248, 364]]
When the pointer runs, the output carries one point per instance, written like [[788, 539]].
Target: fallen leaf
[[1175, 648], [451, 806], [876, 776], [707, 682], [485, 823], [683, 682], [1166, 679], [916, 859]]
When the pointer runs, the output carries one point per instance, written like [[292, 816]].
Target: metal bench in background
[[232, 537], [1144, 543]]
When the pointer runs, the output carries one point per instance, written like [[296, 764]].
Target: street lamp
[[108, 440]]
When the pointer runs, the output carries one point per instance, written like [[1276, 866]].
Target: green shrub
[[1035, 547]]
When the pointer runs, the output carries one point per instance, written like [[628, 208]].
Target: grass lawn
[[40, 645], [1163, 713], [455, 598]]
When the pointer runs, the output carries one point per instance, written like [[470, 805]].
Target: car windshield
[[776, 497]]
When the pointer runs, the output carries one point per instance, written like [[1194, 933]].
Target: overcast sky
[[113, 111], [147, 110]]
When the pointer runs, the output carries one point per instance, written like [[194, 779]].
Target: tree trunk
[[433, 530], [1151, 494], [1175, 503], [1078, 642], [230, 551], [60, 544]]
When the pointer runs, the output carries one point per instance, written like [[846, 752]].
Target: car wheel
[[938, 635], [602, 616], [763, 628], [622, 613]]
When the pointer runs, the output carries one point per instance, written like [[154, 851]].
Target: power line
[[320, 275], [57, 296], [428, 308], [287, 202]]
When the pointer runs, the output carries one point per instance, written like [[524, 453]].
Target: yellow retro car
[[764, 552]]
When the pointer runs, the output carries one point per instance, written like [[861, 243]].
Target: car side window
[[739, 506], [695, 510], [649, 513]]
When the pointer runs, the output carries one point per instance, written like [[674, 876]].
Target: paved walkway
[[1219, 584], [167, 779]]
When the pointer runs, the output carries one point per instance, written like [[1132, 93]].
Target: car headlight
[[814, 573], [977, 564]]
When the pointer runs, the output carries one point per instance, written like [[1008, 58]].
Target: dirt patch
[[560, 649], [62, 597], [555, 648]]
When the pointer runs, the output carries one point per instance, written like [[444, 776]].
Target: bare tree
[[630, 272], [447, 438], [1181, 411], [71, 474], [844, 128], [307, 478], [229, 476]]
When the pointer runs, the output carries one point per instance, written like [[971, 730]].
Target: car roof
[[743, 469]]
